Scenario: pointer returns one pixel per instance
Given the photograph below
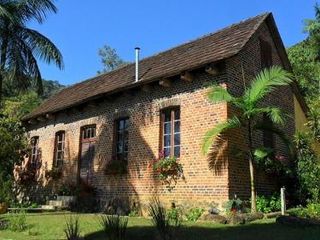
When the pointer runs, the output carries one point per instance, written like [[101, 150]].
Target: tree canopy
[[21, 47], [110, 59]]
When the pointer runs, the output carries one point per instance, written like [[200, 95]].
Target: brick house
[[112, 117]]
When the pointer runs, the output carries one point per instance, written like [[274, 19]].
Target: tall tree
[[20, 46], [110, 59], [305, 56], [249, 114], [312, 27]]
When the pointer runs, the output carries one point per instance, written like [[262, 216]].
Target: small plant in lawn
[[235, 205], [18, 221], [194, 214], [114, 226], [72, 229], [160, 220], [169, 170], [174, 215], [268, 204], [133, 213]]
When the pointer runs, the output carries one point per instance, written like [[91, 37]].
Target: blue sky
[[81, 27]]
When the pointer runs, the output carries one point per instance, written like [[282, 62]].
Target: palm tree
[[249, 114], [20, 46]]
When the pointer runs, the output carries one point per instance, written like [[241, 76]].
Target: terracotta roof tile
[[210, 48]]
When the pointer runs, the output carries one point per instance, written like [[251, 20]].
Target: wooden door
[[87, 148]]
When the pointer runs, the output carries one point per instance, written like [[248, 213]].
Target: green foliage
[[6, 193], [313, 123], [212, 134], [114, 226], [19, 106], [110, 59], [169, 170], [194, 214], [21, 46], [51, 87], [72, 229], [306, 68], [174, 216], [160, 220], [262, 85], [234, 205], [68, 189], [250, 111], [311, 211], [18, 221], [267, 204], [13, 141], [133, 213], [248, 104], [308, 168]]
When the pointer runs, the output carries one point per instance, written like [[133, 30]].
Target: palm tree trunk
[[251, 170]]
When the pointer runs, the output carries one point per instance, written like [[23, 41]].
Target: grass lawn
[[50, 226]]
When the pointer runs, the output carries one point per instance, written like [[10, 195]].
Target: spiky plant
[[72, 229], [114, 226], [249, 112], [20, 46], [160, 220]]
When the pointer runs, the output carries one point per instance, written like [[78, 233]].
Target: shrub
[[174, 215], [194, 214], [72, 229], [165, 227], [54, 174], [307, 168], [133, 213], [234, 205], [268, 204], [114, 226], [311, 211], [18, 221], [6, 194]]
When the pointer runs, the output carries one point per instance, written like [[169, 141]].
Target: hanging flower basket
[[169, 170], [55, 173], [116, 166]]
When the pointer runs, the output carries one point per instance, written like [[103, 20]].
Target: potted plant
[[169, 169], [55, 173], [116, 166]]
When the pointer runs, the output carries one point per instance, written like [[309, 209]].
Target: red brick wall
[[202, 185], [207, 180], [248, 64]]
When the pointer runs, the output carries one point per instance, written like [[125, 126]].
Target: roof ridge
[[264, 15], [207, 48]]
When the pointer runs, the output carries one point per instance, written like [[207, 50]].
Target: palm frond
[[4, 13], [233, 122], [262, 126], [35, 9], [23, 66], [262, 152], [275, 114], [265, 82], [41, 46], [219, 94]]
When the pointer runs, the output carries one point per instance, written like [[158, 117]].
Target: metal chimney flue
[[137, 50]]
